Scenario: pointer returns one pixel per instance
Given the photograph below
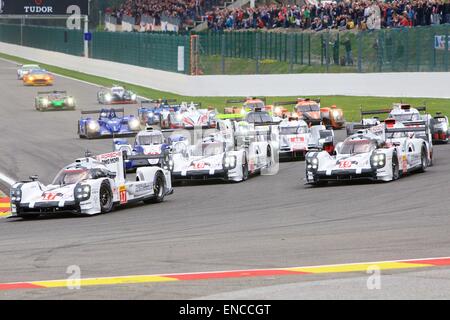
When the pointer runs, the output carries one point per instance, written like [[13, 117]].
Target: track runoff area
[[269, 237]]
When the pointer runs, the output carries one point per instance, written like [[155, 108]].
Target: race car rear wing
[[407, 129], [414, 123], [245, 100], [284, 103], [376, 111], [122, 110], [158, 101], [51, 92]]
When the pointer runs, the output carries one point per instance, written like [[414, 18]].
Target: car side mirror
[[34, 178], [396, 143]]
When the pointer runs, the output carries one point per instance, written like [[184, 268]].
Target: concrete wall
[[412, 84]]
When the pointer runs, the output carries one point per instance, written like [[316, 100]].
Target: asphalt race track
[[266, 222]]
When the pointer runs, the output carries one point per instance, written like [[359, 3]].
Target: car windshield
[[209, 149], [406, 117], [258, 117], [293, 130], [30, 67], [150, 140], [71, 176], [117, 90], [253, 105], [357, 146], [37, 71], [308, 108]]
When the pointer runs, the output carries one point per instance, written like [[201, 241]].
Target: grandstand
[[315, 15]]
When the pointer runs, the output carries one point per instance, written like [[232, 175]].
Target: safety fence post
[[360, 51], [222, 52]]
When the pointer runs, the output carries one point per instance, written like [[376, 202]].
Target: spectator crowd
[[186, 11], [346, 14]]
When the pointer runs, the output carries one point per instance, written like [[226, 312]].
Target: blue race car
[[108, 124], [150, 111], [149, 142]]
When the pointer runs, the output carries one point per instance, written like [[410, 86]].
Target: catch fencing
[[387, 50], [419, 49], [163, 51]]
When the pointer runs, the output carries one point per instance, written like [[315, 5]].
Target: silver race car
[[89, 186], [296, 138], [116, 95], [385, 153]]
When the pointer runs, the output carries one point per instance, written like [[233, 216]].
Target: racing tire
[[158, 189], [423, 160], [245, 172], [395, 168], [269, 158], [105, 198]]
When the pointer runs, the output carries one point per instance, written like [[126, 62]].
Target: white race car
[[231, 154], [296, 138], [380, 153], [90, 186], [188, 117], [25, 69], [116, 95]]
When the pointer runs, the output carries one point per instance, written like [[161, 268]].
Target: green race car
[[54, 100]]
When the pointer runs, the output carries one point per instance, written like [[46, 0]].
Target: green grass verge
[[350, 104]]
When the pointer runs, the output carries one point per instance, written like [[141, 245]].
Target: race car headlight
[[312, 164], [133, 96], [82, 192], [242, 111], [179, 117], [168, 165], [150, 114], [335, 114], [108, 97], [378, 160], [93, 126], [45, 102], [15, 195], [134, 124], [277, 110], [229, 162], [70, 101]]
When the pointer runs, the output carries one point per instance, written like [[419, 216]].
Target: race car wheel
[[395, 167], [423, 160], [158, 189], [105, 198], [269, 157], [245, 169]]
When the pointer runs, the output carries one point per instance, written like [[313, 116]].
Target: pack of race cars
[[244, 140]]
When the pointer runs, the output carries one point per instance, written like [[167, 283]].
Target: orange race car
[[38, 78], [333, 117], [311, 112], [248, 104]]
